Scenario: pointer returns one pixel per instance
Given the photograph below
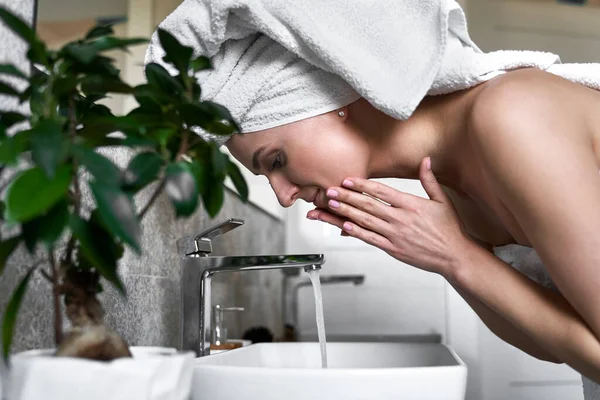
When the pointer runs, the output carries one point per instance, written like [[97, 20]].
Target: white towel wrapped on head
[[280, 61]]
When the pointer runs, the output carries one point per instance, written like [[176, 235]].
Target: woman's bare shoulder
[[531, 102]]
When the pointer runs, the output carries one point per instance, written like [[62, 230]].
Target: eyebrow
[[255, 162]]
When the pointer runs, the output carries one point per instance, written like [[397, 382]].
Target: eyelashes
[[277, 162]]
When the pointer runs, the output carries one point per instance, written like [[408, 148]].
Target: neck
[[436, 129]]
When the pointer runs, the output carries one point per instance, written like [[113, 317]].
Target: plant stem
[[46, 275], [58, 334], [153, 198], [76, 195]]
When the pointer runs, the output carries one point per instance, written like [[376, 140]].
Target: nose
[[286, 192]]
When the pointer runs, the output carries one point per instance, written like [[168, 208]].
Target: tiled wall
[[150, 315]]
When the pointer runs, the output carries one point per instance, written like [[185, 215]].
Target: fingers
[[430, 183], [360, 201], [322, 215], [380, 191], [367, 236], [352, 229]]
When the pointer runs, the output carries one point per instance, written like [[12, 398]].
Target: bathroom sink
[[292, 371]]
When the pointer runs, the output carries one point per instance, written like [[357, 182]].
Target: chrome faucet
[[197, 269], [325, 280]]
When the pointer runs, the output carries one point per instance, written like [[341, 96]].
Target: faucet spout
[[196, 274]]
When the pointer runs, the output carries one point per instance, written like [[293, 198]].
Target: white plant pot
[[153, 373]]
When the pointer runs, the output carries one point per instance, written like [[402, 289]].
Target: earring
[[341, 113]]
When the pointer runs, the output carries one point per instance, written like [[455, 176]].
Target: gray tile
[[149, 316], [34, 327]]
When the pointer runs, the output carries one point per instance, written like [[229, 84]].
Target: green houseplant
[[50, 157]]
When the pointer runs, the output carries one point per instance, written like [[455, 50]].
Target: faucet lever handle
[[202, 242]]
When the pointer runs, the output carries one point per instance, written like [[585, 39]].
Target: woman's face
[[303, 159]]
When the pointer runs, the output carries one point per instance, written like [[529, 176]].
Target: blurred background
[[392, 301]]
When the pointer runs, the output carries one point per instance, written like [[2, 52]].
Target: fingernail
[[348, 183], [334, 204], [428, 163], [347, 226], [332, 193], [310, 216]]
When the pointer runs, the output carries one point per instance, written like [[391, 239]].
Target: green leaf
[[6, 249], [101, 65], [162, 135], [142, 170], [101, 168], [160, 78], [213, 198], [110, 43], [13, 146], [211, 186], [23, 97], [176, 53], [201, 63], [99, 84], [32, 194], [84, 53], [38, 53], [238, 180], [8, 119], [8, 90], [102, 126], [47, 145], [99, 31], [17, 25], [117, 212], [211, 117], [151, 96], [181, 188], [202, 176], [48, 228], [98, 248], [36, 101], [219, 162], [64, 86], [11, 312], [9, 69]]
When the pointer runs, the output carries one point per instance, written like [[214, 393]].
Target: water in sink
[[316, 283]]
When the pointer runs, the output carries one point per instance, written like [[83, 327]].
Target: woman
[[334, 95], [518, 159]]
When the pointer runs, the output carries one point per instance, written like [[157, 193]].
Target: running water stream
[[316, 283]]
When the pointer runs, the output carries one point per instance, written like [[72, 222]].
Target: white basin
[[366, 371]]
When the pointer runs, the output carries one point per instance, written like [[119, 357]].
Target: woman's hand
[[425, 233]]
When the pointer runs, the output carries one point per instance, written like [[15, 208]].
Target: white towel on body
[[280, 61]]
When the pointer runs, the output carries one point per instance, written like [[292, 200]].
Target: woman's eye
[[276, 162]]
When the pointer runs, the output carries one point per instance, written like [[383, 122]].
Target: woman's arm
[[544, 316], [506, 331], [532, 136]]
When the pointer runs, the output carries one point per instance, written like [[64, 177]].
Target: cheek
[[327, 165]]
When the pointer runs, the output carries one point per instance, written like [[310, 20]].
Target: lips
[[314, 197]]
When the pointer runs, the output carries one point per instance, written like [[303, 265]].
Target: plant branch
[[75, 196], [58, 334], [46, 275], [153, 198]]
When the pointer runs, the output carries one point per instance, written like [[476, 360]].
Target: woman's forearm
[[542, 314], [506, 331]]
